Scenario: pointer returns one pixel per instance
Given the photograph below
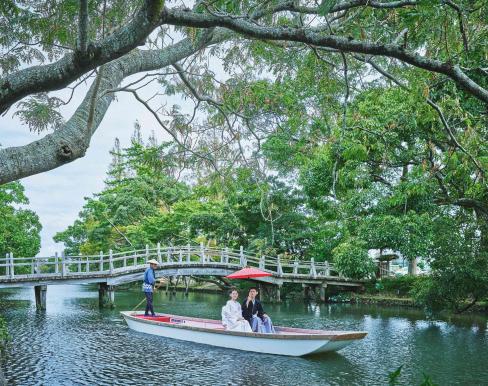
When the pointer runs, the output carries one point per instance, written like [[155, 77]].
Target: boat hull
[[261, 343]]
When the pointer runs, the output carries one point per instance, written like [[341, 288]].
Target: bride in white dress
[[232, 315]]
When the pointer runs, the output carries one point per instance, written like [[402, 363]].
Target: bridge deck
[[124, 267]]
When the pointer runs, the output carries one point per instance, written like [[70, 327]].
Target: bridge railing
[[109, 263]]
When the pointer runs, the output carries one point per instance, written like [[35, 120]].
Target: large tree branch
[[72, 140], [57, 75], [249, 28]]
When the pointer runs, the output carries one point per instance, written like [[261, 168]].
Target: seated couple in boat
[[249, 317]]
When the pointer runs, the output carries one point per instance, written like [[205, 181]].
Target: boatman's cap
[[152, 261]]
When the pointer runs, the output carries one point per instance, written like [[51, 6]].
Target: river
[[76, 343]]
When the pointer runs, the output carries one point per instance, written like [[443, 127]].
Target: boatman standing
[[148, 286]]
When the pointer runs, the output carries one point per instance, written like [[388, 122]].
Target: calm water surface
[[76, 343]]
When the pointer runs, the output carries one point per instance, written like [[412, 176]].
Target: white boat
[[286, 341]]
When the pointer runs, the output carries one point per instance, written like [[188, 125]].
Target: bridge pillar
[[40, 292], [306, 291], [278, 293], [261, 292], [106, 295], [322, 292]]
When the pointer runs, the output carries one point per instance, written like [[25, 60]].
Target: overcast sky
[[58, 195]]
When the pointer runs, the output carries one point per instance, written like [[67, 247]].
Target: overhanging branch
[[305, 35], [59, 74]]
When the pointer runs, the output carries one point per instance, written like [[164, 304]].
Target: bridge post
[[180, 256], [88, 264], [295, 266], [147, 254], [12, 273], [327, 269], [106, 295], [222, 253], [262, 262], [56, 263], [40, 294], [313, 270], [226, 257], [279, 268], [188, 257], [202, 253], [135, 258], [63, 264], [79, 263], [159, 254], [7, 265], [110, 261], [100, 268], [38, 266], [241, 255], [168, 255]]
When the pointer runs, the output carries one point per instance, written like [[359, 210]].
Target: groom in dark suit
[[253, 312]]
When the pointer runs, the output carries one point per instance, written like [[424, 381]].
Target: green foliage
[[394, 375], [401, 285], [143, 204], [19, 227], [39, 113], [352, 260], [459, 267], [394, 378], [408, 234]]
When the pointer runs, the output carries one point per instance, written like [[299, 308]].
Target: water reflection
[[76, 343]]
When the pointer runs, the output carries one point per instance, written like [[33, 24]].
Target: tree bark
[[412, 267], [55, 76], [72, 140]]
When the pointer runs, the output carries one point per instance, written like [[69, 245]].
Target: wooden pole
[[40, 295]]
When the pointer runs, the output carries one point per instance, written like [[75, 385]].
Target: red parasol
[[248, 273]]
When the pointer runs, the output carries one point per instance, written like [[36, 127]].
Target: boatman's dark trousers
[[149, 303]]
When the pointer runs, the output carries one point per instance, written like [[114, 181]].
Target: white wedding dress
[[232, 317]]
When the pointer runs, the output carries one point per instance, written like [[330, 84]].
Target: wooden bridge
[[112, 269]]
